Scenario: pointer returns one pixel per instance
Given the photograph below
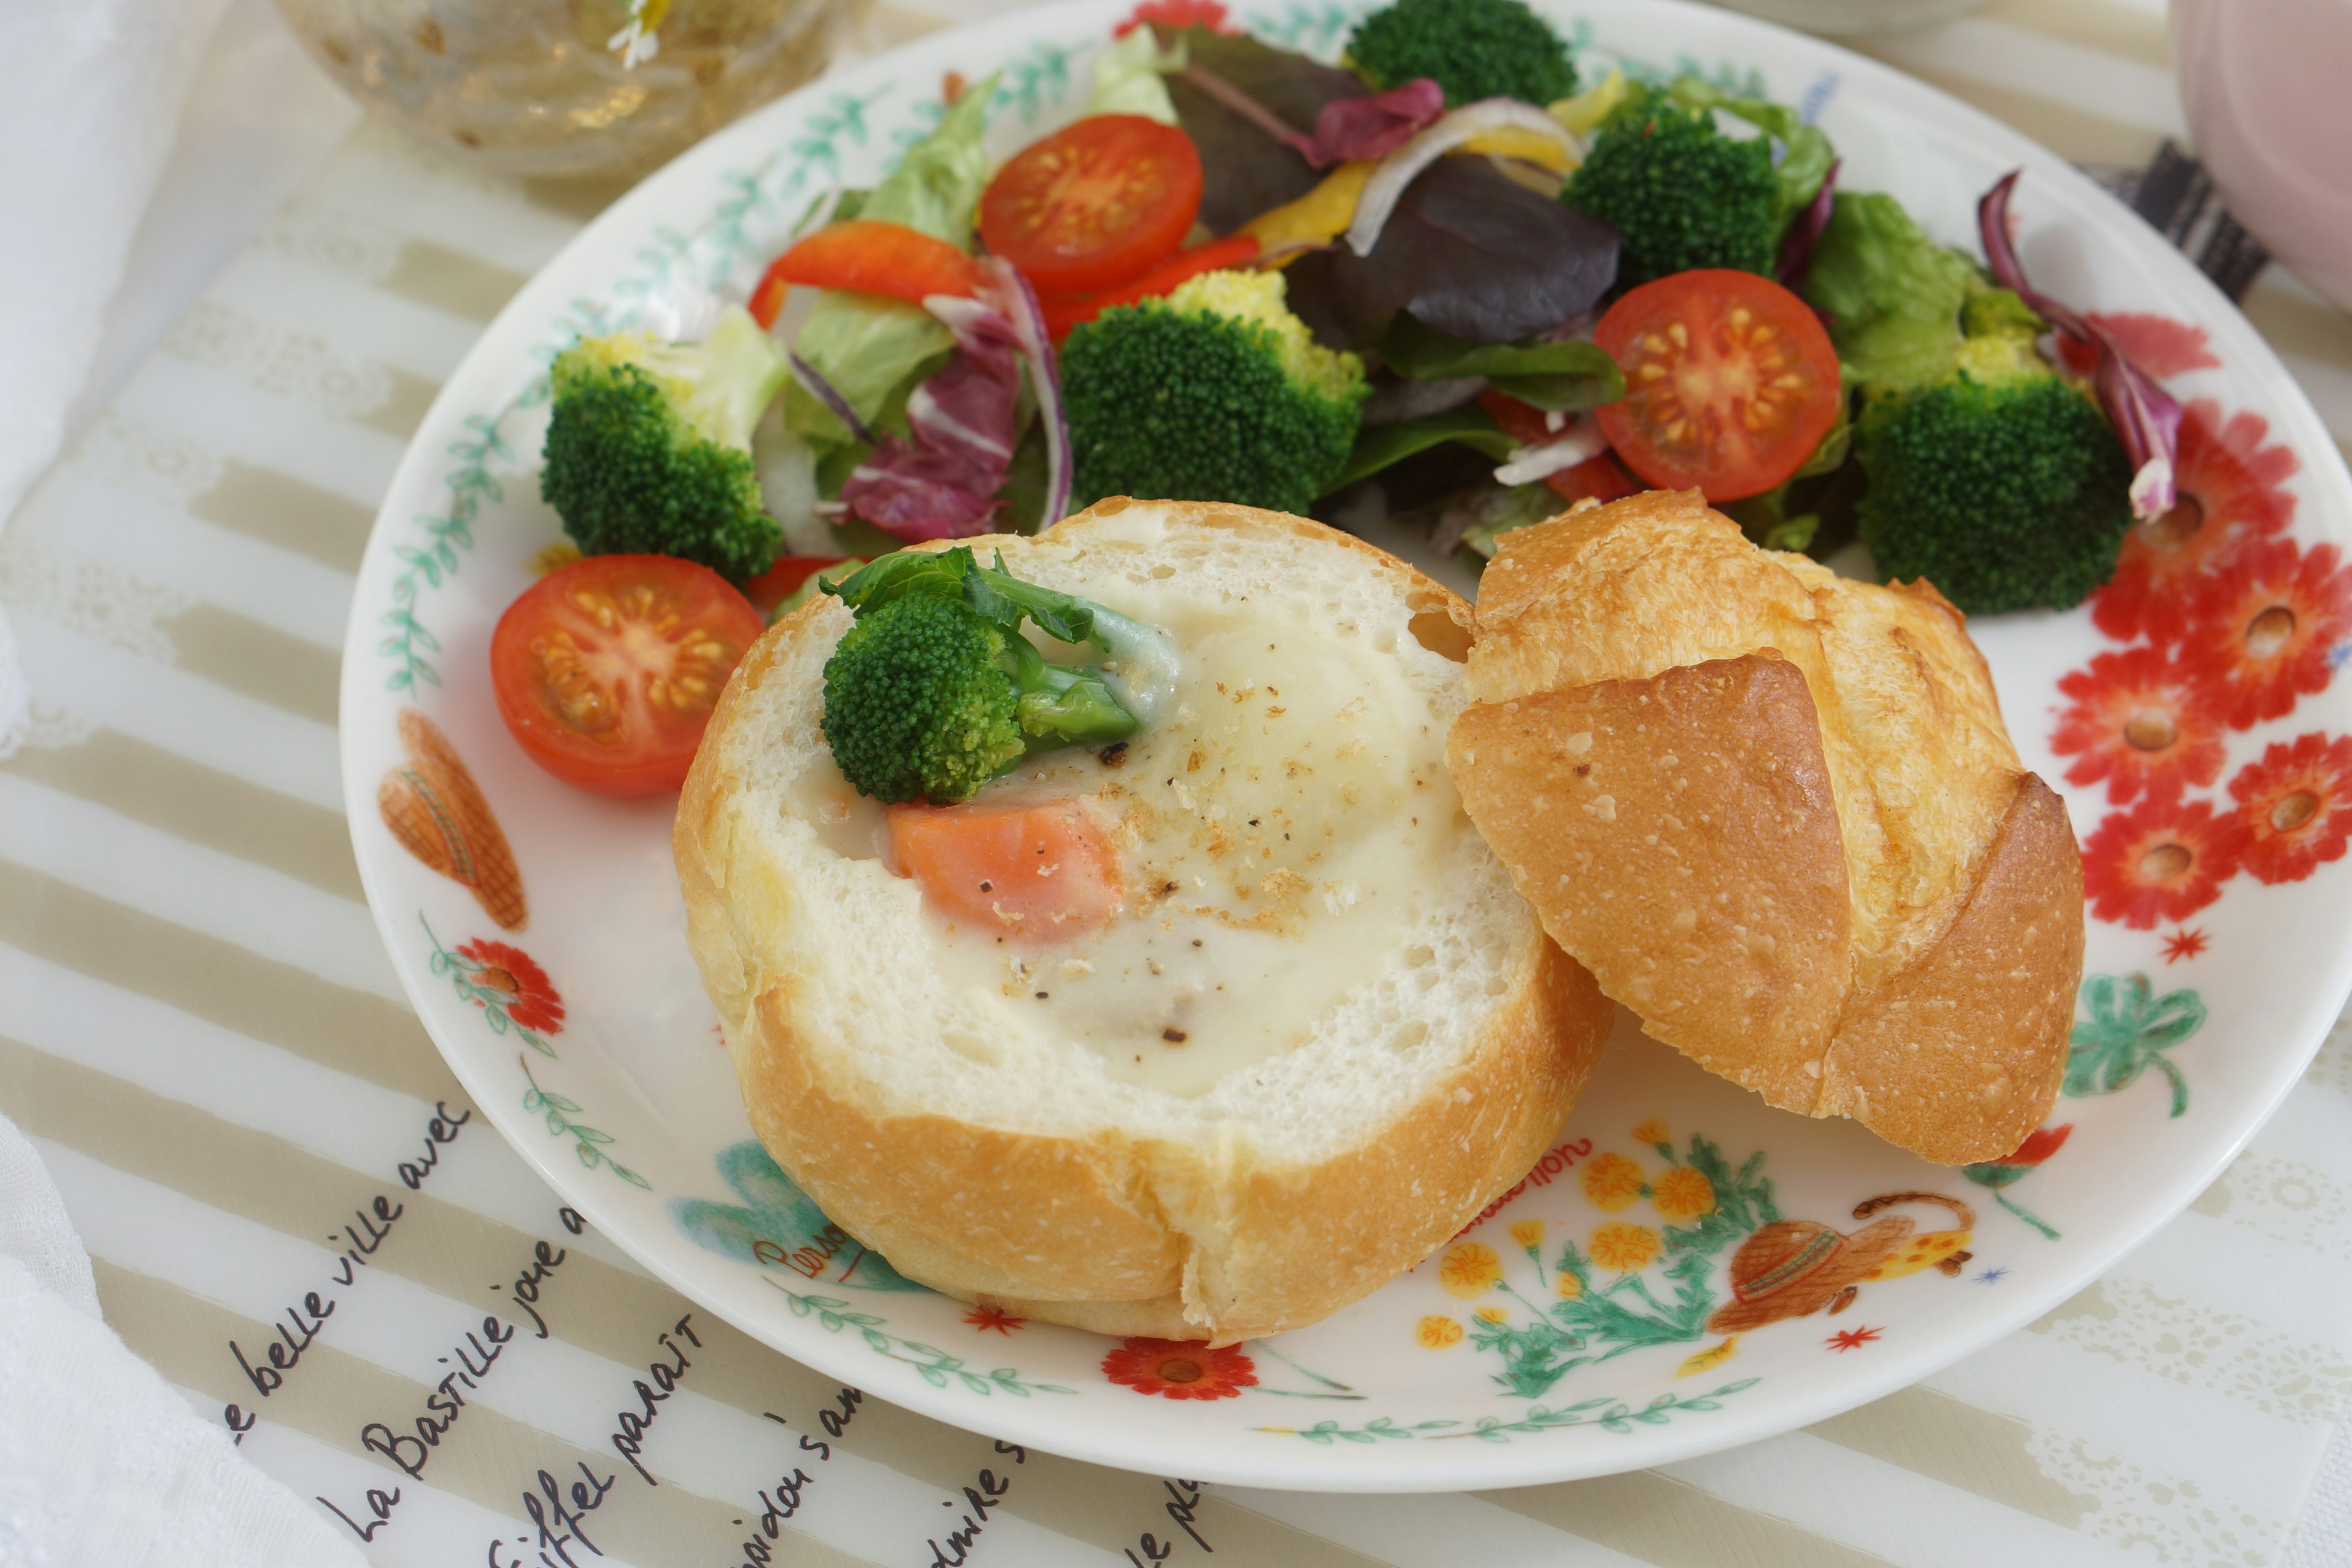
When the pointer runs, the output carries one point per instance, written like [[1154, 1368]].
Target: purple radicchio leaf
[[1368, 129], [1805, 231], [941, 483], [2145, 418]]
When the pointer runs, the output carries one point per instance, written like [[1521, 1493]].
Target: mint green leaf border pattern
[[1607, 1413], [936, 1366], [592, 1145]]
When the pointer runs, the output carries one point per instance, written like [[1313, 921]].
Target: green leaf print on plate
[[778, 1225], [2127, 1032]]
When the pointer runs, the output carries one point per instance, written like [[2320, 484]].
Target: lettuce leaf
[[1559, 376], [936, 187], [1129, 77], [1805, 150], [868, 345], [1893, 295], [1381, 446]]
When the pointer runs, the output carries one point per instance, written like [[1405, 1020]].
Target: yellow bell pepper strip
[[1315, 219], [1585, 111], [1527, 146]]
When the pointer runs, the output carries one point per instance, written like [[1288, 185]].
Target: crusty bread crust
[[1127, 1233], [1777, 813]]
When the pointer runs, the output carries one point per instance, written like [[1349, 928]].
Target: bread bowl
[[1401, 1042], [1776, 813]]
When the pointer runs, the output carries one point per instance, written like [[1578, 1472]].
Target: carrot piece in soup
[[1046, 871]]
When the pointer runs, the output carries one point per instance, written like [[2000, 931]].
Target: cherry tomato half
[[1600, 479], [606, 671], [1095, 204], [1730, 381]]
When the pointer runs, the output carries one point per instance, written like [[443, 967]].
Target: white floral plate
[[1686, 1270]]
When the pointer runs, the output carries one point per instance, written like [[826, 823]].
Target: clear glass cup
[[546, 87]]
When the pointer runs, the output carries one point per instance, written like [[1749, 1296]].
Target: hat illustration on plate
[[1795, 1267], [436, 811]]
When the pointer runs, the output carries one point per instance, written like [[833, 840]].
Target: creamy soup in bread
[[1278, 834]]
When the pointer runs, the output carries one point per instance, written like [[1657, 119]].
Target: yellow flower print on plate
[[1470, 1269], [1654, 1131], [1527, 1232], [1612, 1184], [1681, 1193], [1437, 1332], [1624, 1248]]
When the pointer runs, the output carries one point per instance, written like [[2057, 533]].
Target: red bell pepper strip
[[768, 298], [872, 257], [1064, 311], [1599, 477]]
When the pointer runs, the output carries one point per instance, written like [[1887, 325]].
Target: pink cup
[[2267, 87]]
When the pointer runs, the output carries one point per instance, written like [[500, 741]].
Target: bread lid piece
[[1776, 813]]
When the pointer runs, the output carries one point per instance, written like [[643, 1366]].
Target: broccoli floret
[[1472, 48], [2005, 491], [1680, 193], [917, 706], [649, 445], [1216, 392], [934, 691]]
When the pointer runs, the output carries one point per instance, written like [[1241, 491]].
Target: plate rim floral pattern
[[454, 968]]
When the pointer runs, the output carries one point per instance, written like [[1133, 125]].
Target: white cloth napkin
[[102, 1462], [109, 101]]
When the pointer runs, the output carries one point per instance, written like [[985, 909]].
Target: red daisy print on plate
[[2186, 943], [2140, 721], [518, 983], [2163, 859], [2265, 627], [1179, 1369], [2296, 806], [2232, 490]]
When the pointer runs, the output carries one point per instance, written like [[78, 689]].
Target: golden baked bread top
[[1919, 763], [1776, 813]]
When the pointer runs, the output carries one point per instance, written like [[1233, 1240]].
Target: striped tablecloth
[[296, 1214]]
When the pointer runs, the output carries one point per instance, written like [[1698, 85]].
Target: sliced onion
[[825, 392], [1019, 303], [1581, 442], [1402, 167], [2146, 417]]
